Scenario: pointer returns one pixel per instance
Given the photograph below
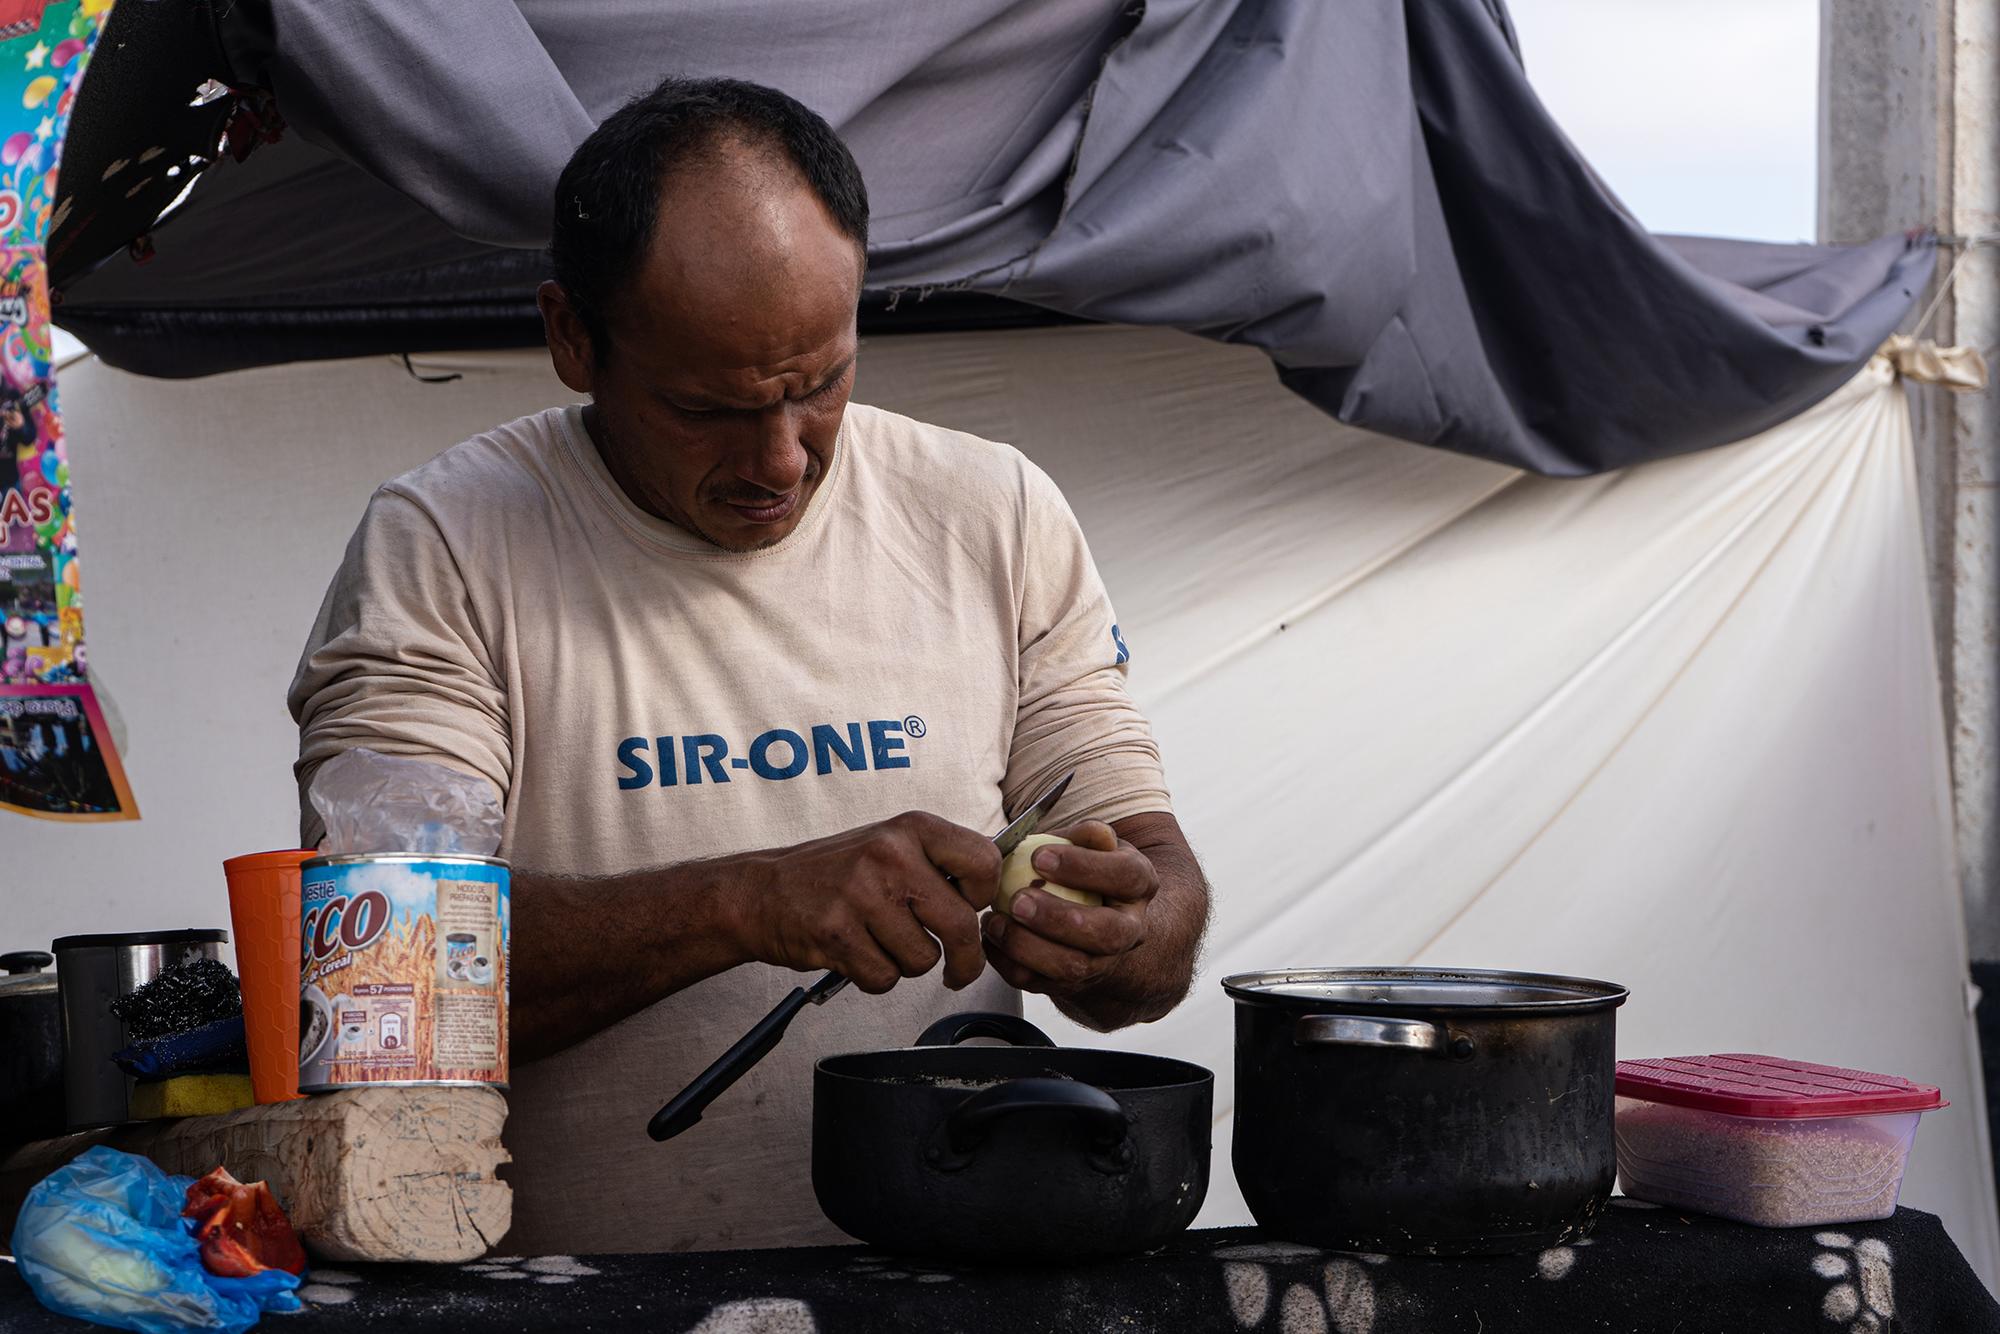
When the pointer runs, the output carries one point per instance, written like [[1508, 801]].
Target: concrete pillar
[[1909, 137]]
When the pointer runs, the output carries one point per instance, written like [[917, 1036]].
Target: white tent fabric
[[1677, 726]]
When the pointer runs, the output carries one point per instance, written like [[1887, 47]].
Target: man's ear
[[570, 348]]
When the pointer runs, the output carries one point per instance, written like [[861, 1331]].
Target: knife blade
[[1028, 821], [1022, 825]]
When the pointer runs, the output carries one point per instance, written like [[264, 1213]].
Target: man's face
[[717, 404]]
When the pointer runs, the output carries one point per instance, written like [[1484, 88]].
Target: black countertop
[[1643, 1270]]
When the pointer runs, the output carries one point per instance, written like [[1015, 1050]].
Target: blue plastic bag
[[102, 1239]]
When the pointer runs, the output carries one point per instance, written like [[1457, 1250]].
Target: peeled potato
[[1018, 873]]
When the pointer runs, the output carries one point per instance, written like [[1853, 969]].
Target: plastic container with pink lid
[[1767, 1141]]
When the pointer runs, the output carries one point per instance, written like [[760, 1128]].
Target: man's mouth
[[766, 511]]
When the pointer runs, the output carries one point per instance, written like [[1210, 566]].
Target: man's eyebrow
[[695, 402], [705, 404], [834, 376]]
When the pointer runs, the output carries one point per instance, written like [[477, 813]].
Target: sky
[[1701, 114]]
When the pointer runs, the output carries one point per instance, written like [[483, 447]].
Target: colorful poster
[[56, 757]]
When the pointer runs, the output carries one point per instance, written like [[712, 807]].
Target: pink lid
[[1744, 1085]]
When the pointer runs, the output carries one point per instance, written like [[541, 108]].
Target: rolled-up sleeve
[[1074, 711], [396, 661]]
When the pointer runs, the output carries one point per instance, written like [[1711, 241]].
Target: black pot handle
[[969, 1123], [956, 1028], [1361, 1030], [26, 961]]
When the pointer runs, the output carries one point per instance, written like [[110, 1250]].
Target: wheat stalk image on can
[[402, 971]]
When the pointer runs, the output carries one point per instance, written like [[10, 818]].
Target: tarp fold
[[1370, 193]]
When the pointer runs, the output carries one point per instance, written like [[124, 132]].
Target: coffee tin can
[[402, 971]]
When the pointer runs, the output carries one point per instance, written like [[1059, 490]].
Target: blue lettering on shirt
[[632, 754], [1118, 641], [775, 755], [794, 765], [883, 743], [704, 751], [827, 744]]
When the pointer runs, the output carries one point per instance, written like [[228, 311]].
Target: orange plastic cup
[[264, 910]]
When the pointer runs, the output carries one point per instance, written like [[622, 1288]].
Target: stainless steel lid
[[1391, 990], [130, 939], [21, 974]]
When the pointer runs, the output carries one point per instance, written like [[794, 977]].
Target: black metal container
[[91, 972], [31, 1049], [1424, 1111], [1023, 1154]]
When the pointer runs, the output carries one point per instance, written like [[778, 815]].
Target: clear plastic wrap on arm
[[371, 802]]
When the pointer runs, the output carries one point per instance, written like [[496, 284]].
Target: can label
[[403, 971]]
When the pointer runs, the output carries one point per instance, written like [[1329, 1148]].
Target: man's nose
[[772, 457]]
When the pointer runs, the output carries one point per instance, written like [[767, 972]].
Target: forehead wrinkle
[[760, 385]]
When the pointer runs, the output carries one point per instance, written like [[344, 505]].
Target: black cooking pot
[[1030, 1153], [1422, 1110], [31, 1049]]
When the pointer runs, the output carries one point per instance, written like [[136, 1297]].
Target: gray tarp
[[1367, 190]]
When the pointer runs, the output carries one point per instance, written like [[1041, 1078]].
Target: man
[[758, 673]]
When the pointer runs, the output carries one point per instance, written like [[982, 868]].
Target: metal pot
[[93, 971], [31, 1049], [1424, 1111], [1023, 1154]]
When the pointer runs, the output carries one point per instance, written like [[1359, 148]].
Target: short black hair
[[608, 197]]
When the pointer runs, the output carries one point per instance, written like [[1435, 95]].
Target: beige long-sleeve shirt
[[933, 635]]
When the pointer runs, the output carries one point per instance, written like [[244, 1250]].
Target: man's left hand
[[1060, 948]]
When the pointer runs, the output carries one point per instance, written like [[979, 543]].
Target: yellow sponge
[[192, 1095]]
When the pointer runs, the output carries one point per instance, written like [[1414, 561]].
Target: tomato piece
[[240, 1227]]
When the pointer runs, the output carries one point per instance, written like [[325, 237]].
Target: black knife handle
[[686, 1107]]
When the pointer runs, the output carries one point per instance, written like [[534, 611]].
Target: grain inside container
[[1764, 1140], [403, 971]]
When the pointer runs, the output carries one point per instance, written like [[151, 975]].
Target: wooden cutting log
[[364, 1174]]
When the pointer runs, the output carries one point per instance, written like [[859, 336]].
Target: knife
[[687, 1106]]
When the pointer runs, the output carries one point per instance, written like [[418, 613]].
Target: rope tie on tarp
[[1961, 369], [1920, 359]]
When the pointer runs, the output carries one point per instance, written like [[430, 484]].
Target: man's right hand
[[866, 903], [872, 903]]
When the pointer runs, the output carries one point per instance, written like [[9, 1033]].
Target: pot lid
[[1381, 990], [1741, 1084], [971, 1068], [120, 939], [21, 973]]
